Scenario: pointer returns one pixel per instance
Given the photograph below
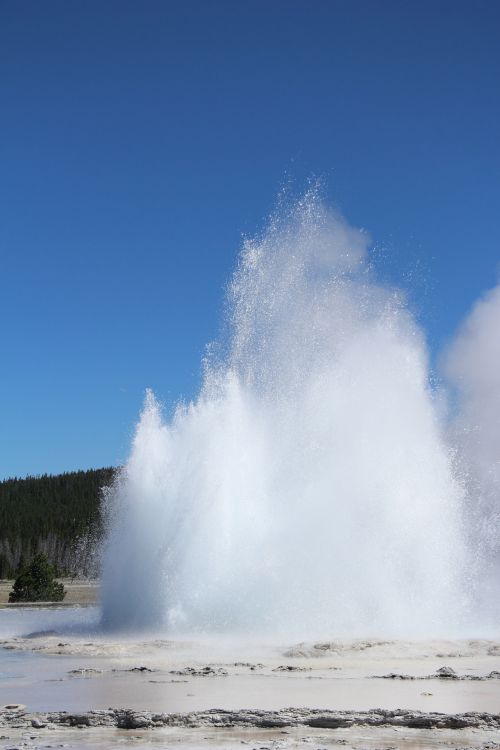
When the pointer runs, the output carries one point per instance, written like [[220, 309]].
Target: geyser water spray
[[308, 489]]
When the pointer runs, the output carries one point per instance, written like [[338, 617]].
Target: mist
[[472, 368]]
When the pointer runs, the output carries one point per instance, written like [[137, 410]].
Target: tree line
[[58, 515]]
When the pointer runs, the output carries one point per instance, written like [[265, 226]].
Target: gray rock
[[292, 717], [200, 672], [37, 723], [446, 673], [133, 720]]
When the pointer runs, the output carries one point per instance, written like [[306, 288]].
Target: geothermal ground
[[65, 684]]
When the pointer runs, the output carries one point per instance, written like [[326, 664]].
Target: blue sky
[[140, 140]]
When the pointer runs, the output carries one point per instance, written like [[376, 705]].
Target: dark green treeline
[[58, 515]]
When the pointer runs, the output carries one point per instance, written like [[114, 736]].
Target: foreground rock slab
[[17, 717]]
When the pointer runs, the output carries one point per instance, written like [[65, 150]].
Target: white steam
[[472, 365]]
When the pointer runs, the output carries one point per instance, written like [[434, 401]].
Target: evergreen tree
[[36, 583]]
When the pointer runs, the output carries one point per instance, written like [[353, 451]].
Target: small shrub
[[36, 583]]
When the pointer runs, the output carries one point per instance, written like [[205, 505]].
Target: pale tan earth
[[79, 669], [77, 592]]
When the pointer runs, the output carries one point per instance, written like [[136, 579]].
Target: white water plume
[[308, 489]]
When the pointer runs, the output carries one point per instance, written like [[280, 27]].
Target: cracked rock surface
[[293, 717], [444, 673]]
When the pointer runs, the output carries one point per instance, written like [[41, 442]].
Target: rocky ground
[[15, 716], [59, 674], [260, 730]]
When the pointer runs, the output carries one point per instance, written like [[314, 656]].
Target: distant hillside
[[52, 514]]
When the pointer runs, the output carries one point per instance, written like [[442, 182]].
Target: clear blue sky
[[139, 140]]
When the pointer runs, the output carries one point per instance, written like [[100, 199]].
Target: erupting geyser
[[308, 490]]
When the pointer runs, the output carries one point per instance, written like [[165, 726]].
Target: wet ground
[[56, 659]]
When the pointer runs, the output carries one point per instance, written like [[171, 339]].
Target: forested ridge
[[54, 514]]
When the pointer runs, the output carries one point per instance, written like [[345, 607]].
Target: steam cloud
[[472, 365]]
